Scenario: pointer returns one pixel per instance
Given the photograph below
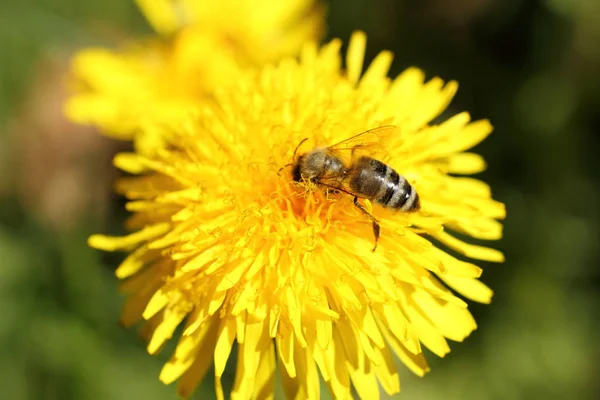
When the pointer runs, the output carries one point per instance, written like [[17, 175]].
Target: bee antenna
[[297, 147], [293, 157], [281, 169]]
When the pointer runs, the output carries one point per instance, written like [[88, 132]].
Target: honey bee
[[360, 176]]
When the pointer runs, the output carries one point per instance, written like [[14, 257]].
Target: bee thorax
[[317, 164]]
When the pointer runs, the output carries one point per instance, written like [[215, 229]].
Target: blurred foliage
[[529, 66]]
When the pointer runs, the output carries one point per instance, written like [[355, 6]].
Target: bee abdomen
[[379, 182], [367, 177], [395, 192], [400, 196]]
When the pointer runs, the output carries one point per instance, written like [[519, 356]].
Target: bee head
[[296, 173]]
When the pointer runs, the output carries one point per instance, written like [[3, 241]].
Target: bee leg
[[375, 222]]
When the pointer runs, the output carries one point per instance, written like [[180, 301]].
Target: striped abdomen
[[374, 180]]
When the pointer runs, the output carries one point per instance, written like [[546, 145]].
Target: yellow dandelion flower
[[236, 251], [204, 45]]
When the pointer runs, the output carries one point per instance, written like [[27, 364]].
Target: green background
[[532, 67]]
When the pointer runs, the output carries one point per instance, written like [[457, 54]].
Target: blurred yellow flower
[[204, 45], [243, 254]]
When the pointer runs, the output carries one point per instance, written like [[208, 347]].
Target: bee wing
[[334, 182], [368, 142]]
